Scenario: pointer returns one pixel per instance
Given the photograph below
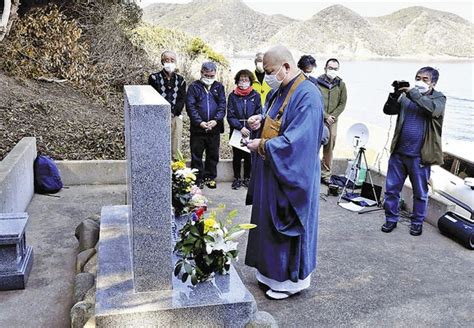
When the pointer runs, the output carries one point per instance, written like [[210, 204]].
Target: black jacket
[[204, 106]]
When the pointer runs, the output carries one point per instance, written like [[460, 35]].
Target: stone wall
[[16, 177]]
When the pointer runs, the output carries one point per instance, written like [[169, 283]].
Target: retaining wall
[[16, 177]]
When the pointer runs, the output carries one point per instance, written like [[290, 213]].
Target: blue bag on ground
[[47, 178]]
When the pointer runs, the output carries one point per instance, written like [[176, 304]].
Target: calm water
[[369, 82]]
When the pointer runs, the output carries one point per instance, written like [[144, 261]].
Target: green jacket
[[433, 104], [334, 96]]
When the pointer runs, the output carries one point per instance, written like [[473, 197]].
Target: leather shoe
[[416, 229], [389, 226]]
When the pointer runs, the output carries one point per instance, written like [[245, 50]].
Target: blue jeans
[[399, 167]]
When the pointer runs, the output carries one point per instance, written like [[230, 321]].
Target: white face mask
[[244, 85], [272, 80], [422, 86], [207, 81], [169, 67], [332, 74], [259, 67]]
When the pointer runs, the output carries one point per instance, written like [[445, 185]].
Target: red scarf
[[245, 92]]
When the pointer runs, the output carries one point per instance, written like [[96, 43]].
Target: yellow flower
[[247, 226], [178, 165], [190, 177], [209, 224]]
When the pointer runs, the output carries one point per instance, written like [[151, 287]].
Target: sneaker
[[211, 184], [416, 229], [236, 184], [389, 226], [200, 183], [246, 182]]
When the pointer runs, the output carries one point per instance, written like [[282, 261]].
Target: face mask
[[169, 67], [207, 81], [259, 67], [421, 86], [332, 74], [244, 85], [272, 80]]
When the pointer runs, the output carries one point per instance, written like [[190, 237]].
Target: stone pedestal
[[16, 259], [222, 302]]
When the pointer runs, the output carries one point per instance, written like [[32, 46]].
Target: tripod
[[355, 168]]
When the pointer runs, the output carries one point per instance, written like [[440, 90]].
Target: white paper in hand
[[235, 141]]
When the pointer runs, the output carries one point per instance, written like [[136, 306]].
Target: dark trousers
[[399, 167], [240, 155], [210, 144]]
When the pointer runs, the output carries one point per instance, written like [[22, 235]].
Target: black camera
[[397, 85], [400, 84]]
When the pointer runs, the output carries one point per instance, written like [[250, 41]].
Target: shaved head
[[279, 61], [279, 55]]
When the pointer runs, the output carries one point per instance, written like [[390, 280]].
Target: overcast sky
[[304, 9]]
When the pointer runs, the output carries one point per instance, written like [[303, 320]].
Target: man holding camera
[[416, 144]]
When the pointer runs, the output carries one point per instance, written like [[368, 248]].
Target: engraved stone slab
[[148, 146]]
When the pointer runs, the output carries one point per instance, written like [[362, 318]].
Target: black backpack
[[46, 175]]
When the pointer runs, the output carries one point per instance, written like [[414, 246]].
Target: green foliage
[[198, 47], [155, 39]]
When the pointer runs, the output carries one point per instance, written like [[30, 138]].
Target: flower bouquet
[[183, 183], [206, 245]]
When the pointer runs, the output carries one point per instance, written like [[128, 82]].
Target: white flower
[[235, 235]]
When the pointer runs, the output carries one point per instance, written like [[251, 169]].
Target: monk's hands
[[253, 144], [254, 122]]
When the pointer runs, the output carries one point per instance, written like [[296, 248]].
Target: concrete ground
[[47, 299], [365, 278]]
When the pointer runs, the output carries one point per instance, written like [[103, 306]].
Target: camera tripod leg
[[354, 169], [371, 181]]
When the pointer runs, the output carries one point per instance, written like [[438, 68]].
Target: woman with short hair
[[242, 103]]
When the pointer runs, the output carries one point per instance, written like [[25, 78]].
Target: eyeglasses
[[332, 68]]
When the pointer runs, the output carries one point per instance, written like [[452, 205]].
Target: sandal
[[279, 295]]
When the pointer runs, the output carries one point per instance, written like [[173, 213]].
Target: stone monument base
[[17, 279], [223, 301]]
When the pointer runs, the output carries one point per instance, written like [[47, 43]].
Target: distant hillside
[[230, 26], [419, 30], [336, 30]]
